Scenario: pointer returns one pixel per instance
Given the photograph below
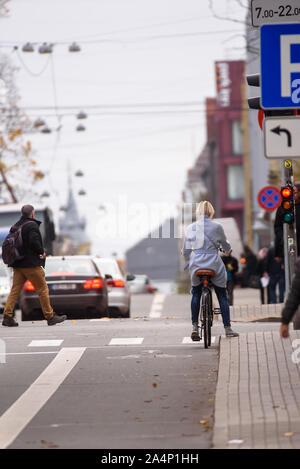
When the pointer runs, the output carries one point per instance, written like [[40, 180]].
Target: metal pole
[[247, 175]]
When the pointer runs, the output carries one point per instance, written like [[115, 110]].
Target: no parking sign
[[269, 198]]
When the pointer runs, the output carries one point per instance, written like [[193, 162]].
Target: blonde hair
[[205, 208]]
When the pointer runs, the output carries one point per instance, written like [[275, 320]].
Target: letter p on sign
[[287, 65]]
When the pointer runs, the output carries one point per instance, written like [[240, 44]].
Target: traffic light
[[287, 203], [254, 103]]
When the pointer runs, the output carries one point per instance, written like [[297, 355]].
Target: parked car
[[117, 287], [5, 284], [76, 288], [140, 284]]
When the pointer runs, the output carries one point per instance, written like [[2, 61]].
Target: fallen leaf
[[148, 401], [154, 385], [203, 422]]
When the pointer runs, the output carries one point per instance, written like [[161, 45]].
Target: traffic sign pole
[[289, 232]]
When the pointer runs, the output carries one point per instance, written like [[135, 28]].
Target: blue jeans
[[223, 302]]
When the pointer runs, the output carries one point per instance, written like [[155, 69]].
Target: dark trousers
[[230, 288], [223, 302], [274, 280]]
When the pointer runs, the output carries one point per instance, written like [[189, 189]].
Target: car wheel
[[127, 314]]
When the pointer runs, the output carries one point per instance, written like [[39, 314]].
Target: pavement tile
[[261, 385]]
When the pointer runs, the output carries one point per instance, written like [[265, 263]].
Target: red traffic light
[[286, 192]]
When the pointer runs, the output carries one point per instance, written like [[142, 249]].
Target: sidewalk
[[258, 392]]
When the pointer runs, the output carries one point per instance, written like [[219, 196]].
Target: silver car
[[141, 284], [117, 287]]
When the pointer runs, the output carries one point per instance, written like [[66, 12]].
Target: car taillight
[[150, 288], [115, 283], [28, 286], [93, 284]]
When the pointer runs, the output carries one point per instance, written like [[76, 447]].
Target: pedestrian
[[261, 270], [275, 270], [292, 302], [202, 242], [250, 264], [278, 224], [30, 267], [232, 267]]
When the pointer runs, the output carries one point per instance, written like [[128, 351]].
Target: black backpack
[[12, 247]]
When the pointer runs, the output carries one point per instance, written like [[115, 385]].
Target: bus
[[11, 213]]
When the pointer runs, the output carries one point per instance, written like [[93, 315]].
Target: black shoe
[[9, 322], [56, 320]]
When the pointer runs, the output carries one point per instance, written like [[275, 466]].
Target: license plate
[[64, 286]]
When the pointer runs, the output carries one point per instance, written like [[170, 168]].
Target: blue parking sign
[[280, 66]]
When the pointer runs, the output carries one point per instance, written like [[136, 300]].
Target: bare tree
[[250, 42], [18, 170]]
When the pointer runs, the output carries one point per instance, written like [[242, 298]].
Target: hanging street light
[[28, 47], [39, 122], [46, 130], [45, 48], [81, 115], [80, 128], [74, 47]]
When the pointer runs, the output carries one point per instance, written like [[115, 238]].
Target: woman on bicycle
[[202, 242]]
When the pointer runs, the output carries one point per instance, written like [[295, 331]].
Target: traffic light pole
[[289, 232]]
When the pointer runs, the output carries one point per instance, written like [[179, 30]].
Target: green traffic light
[[287, 218]]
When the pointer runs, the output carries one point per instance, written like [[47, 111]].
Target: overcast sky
[[143, 73]]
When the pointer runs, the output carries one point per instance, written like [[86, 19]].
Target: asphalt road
[[133, 383]]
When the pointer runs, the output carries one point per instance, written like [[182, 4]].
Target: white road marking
[[45, 343], [157, 305], [188, 340], [127, 341], [29, 353], [17, 417]]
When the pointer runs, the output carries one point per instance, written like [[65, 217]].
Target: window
[[237, 138], [235, 182]]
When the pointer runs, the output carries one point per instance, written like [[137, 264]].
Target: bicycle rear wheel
[[205, 316]]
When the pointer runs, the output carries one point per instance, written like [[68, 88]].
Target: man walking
[[30, 267]]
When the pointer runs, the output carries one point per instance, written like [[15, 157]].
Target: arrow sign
[[282, 137], [277, 130]]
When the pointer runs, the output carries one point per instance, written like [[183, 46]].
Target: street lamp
[[45, 48], [46, 130], [28, 47], [81, 115], [80, 128], [39, 122], [74, 47]]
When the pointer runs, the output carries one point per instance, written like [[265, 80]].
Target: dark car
[[76, 289]]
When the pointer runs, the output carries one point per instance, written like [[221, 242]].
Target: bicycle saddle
[[207, 272]]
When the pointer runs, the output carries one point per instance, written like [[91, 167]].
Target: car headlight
[[4, 289]]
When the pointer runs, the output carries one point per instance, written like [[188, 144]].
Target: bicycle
[[206, 306]]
